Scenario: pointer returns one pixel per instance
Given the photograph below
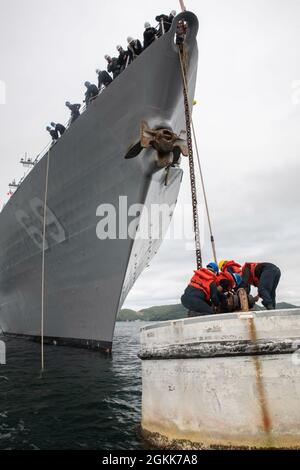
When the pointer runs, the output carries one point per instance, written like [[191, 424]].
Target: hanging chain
[[183, 63]]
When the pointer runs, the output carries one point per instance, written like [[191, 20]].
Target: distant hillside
[[170, 312], [164, 312], [127, 315]]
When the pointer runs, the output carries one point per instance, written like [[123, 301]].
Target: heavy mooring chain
[[183, 63]]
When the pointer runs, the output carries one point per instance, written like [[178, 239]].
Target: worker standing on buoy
[[202, 294], [264, 276]]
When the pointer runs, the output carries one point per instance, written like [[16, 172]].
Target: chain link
[[183, 63]]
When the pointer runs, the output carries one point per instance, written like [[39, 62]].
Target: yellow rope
[[212, 240], [182, 5]]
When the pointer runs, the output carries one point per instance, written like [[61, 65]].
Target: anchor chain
[[183, 63]]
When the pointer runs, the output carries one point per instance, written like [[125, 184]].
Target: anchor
[[168, 145]]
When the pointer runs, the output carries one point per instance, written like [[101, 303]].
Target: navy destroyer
[[86, 276]]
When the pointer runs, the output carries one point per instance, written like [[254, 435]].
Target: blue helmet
[[238, 279], [213, 267]]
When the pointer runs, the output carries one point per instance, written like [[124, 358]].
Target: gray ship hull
[[88, 279]]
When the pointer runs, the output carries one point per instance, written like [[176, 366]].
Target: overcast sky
[[247, 117]]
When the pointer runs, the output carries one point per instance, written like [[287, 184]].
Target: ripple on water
[[83, 401]]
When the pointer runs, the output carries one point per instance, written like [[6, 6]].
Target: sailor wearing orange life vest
[[264, 276], [202, 293], [230, 266], [229, 281]]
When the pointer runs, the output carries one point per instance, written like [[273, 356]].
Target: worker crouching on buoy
[[203, 295], [231, 267]]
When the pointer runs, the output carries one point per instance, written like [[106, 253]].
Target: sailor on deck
[[74, 108], [59, 128], [149, 35], [123, 59], [91, 92], [134, 48], [53, 133], [165, 22], [104, 79], [113, 66]]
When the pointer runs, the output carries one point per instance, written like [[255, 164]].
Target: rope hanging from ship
[[43, 262]]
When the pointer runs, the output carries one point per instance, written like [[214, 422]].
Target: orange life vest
[[253, 279], [202, 279], [235, 267], [225, 276]]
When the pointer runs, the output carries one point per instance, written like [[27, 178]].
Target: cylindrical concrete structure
[[230, 380]]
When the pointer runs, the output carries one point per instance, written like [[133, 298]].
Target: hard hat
[[97, 71], [119, 47], [147, 25], [67, 103], [130, 39], [213, 267], [173, 13], [87, 83], [221, 263], [107, 57], [53, 124], [238, 279]]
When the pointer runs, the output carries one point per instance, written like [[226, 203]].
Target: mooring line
[[43, 263]]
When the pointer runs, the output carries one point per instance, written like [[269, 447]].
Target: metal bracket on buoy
[[245, 313]]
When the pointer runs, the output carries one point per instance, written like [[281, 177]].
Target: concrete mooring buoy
[[222, 381]]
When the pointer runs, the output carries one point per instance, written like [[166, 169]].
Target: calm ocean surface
[[83, 401]]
